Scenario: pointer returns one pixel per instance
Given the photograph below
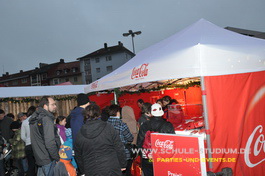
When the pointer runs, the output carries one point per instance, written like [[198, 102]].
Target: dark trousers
[[147, 167], [20, 166], [2, 168], [127, 172], [31, 161]]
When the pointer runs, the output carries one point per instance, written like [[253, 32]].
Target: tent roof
[[31, 91], [202, 49]]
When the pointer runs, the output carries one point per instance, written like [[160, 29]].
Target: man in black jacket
[[156, 124], [5, 123], [44, 138]]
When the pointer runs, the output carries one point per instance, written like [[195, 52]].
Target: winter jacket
[[128, 118], [99, 150], [61, 131], [123, 131], [64, 168], [25, 132], [2, 145], [18, 146], [7, 133], [44, 137], [154, 123], [143, 119], [77, 121]]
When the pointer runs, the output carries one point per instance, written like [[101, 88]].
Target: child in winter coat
[[64, 166], [60, 124]]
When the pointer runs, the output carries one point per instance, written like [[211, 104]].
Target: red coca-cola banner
[[236, 108]]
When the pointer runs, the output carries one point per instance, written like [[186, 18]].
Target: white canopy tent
[[40, 90], [202, 49]]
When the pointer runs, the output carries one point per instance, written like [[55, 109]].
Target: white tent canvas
[[202, 49], [40, 90]]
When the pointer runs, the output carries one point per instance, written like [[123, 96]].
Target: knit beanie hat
[[65, 152], [82, 99]]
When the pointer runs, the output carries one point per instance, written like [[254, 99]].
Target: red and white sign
[[236, 108], [175, 155], [139, 72], [94, 85]]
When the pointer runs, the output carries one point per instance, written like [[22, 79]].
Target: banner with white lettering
[[236, 109], [178, 155]]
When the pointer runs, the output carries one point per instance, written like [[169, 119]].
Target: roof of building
[[107, 50], [251, 33], [44, 68], [21, 74]]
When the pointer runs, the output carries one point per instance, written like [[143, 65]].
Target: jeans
[[47, 170]]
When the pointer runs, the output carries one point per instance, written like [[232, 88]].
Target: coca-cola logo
[[139, 72], [255, 145], [259, 146], [94, 85], [167, 144]]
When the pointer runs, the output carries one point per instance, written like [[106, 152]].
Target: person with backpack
[[45, 140], [155, 124]]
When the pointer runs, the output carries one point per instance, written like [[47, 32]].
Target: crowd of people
[[90, 141]]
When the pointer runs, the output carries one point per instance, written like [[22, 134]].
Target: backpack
[[147, 147]]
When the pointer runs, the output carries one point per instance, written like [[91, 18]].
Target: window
[[25, 80], [58, 72], [75, 79], [15, 83], [109, 68], [87, 62], [66, 71], [34, 79], [88, 73], [108, 58], [44, 76], [98, 70], [97, 60], [74, 69], [56, 81]]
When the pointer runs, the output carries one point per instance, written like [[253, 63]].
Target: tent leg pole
[[115, 98], [206, 121]]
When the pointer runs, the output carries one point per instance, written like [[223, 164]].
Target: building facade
[[103, 61], [66, 72], [45, 75]]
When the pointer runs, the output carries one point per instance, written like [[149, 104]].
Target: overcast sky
[[34, 31]]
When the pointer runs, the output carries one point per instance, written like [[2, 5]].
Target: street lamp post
[[131, 33]]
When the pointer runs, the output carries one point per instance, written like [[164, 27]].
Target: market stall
[[231, 68]]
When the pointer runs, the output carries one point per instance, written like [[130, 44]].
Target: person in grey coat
[[44, 137]]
